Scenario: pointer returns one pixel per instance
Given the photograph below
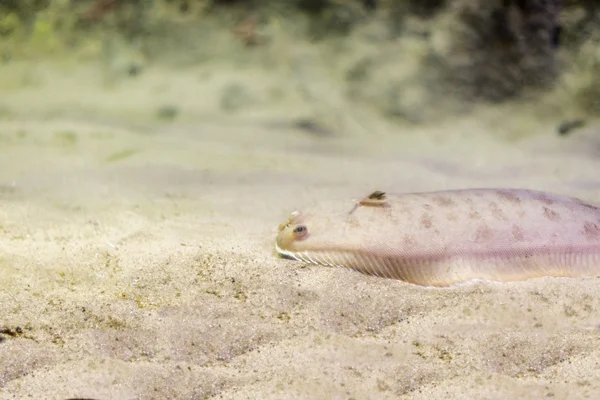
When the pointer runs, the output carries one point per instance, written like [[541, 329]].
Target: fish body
[[448, 237]]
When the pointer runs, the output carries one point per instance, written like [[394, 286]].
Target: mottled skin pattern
[[442, 238]]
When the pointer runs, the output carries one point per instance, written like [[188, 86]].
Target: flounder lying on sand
[[448, 237]]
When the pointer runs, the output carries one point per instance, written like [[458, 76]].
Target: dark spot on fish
[[426, 221], [427, 207], [451, 217], [551, 214], [544, 198], [509, 196], [443, 201], [474, 215], [409, 242], [591, 230], [517, 233], [497, 212], [483, 234]]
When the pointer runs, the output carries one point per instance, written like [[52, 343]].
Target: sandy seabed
[[136, 262]]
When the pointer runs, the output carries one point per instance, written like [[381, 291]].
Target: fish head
[[292, 233], [303, 232]]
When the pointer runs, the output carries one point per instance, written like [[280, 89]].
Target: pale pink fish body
[[447, 237]]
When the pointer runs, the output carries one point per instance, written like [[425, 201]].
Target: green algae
[[121, 155]]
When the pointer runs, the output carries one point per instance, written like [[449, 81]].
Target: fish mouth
[[290, 255]]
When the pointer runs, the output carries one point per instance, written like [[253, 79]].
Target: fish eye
[[300, 230]]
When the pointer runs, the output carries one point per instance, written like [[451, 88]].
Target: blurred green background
[[407, 61]]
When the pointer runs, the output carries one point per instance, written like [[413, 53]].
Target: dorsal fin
[[375, 199]]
